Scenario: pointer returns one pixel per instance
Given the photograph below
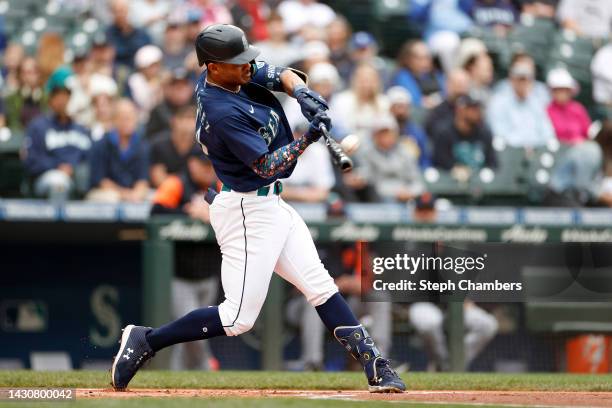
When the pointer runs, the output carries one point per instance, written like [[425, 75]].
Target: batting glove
[[314, 131], [310, 102]]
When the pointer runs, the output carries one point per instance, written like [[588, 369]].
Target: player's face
[[231, 74]]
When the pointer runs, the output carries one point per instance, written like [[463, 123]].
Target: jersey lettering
[[270, 131]]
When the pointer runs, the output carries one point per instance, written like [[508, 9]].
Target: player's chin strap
[[358, 342]]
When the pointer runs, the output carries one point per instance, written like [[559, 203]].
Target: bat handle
[[338, 155]]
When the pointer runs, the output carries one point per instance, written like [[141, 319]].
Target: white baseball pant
[[258, 235]]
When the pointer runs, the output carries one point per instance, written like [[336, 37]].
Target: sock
[[336, 312], [198, 324]]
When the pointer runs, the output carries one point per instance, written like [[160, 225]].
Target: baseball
[[350, 143]]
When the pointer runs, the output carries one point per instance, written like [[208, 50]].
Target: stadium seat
[[505, 185], [540, 163], [535, 37], [442, 184]]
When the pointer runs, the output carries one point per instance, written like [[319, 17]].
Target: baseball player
[[243, 129]]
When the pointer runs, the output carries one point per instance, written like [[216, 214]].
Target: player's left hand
[[310, 102]]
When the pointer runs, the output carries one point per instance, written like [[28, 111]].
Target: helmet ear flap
[[253, 67]]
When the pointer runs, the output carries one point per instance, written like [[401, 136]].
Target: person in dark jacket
[[124, 37], [56, 147], [463, 140], [120, 160]]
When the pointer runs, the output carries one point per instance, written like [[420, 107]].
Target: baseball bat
[[339, 157]]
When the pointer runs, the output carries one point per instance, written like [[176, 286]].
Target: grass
[[320, 381]]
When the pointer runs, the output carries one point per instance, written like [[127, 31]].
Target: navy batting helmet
[[224, 43]]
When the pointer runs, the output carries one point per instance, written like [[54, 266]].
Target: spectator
[[458, 84], [480, 69], [103, 56], [276, 50], [417, 74], [120, 160], [211, 12], [428, 321], [463, 142], [544, 9], [588, 18], [338, 36], [80, 106], [468, 48], [602, 76], [519, 116], [195, 282], [169, 152], [364, 50], [569, 118], [193, 27], [123, 36], [439, 16], [324, 79], [313, 177], [250, 15], [49, 54], [498, 15], [145, 85], [26, 100], [604, 139], [356, 108], [150, 16], [11, 61], [56, 147], [298, 14], [313, 52], [411, 133], [387, 164], [539, 90], [103, 91], [175, 47], [178, 93], [181, 193]]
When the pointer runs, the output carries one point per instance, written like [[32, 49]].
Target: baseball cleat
[[385, 379], [381, 377], [133, 352]]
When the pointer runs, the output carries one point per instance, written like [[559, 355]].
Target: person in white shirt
[[602, 75], [356, 108], [145, 85], [299, 13], [588, 18], [313, 177], [516, 114]]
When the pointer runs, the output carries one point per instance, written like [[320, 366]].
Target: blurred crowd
[[107, 114]]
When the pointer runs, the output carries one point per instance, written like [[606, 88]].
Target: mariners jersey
[[235, 129]]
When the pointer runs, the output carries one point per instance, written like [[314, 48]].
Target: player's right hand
[[314, 131]]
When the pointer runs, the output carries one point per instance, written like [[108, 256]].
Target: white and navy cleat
[[134, 351]]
